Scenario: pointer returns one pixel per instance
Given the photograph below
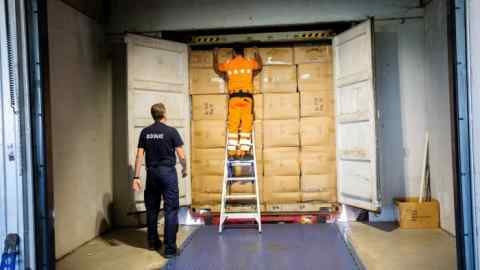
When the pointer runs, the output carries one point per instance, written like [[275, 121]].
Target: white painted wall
[[438, 110], [81, 127], [156, 15], [473, 8]]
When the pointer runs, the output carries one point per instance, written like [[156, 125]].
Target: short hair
[[238, 49], [158, 111]]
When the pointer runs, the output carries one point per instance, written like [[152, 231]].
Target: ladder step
[[241, 162], [241, 179], [241, 197], [246, 215]]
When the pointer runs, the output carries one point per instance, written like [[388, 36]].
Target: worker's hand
[[184, 173], [256, 50], [136, 185]]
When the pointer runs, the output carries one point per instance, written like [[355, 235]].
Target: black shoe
[[170, 254], [155, 245]]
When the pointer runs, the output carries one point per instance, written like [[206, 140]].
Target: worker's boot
[[154, 245]]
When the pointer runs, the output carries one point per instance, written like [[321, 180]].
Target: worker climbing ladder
[[229, 178]]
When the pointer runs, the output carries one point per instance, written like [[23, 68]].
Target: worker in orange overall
[[239, 72]]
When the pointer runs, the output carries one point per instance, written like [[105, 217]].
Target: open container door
[[158, 72], [357, 181]]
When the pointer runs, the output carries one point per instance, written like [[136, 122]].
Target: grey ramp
[[279, 246]]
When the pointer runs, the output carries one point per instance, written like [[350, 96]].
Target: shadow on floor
[[133, 238], [383, 226]]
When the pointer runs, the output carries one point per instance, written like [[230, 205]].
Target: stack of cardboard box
[[294, 125], [209, 113], [317, 125]]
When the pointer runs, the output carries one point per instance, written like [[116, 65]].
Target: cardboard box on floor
[[315, 77], [415, 215], [281, 189], [280, 133], [312, 54], [281, 106], [317, 131], [206, 81], [208, 134], [318, 187], [201, 59], [279, 79], [316, 104], [209, 107], [208, 161], [281, 161]]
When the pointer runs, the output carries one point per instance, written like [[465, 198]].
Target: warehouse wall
[[400, 70], [474, 72], [438, 110], [80, 98], [153, 15]]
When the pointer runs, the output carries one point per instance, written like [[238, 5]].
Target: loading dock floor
[[379, 246]]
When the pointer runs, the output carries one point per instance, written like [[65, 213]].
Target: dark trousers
[[162, 181]]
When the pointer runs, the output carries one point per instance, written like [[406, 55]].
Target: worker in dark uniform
[[159, 143]]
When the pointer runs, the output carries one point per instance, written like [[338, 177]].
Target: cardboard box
[[207, 161], [258, 125], [257, 79], [206, 81], [312, 54], [248, 187], [315, 160], [276, 56], [321, 187], [199, 198], [281, 106], [315, 104], [317, 131], [315, 77], [201, 59], [279, 79], [284, 161], [207, 183], [280, 133], [208, 134], [415, 215], [224, 54], [281, 189], [209, 107], [258, 106]]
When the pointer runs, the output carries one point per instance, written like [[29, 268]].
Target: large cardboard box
[[281, 106], [316, 160], [277, 56], [208, 161], [209, 107], [412, 214], [201, 198], [224, 54], [201, 59], [281, 189], [258, 106], [315, 77], [280, 133], [281, 161], [279, 79], [206, 81], [248, 187], [208, 133], [206, 189], [317, 131], [315, 104], [318, 188], [312, 54], [258, 125]]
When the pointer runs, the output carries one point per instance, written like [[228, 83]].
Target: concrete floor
[[119, 250], [378, 246], [383, 246]]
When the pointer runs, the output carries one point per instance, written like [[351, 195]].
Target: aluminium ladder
[[228, 179]]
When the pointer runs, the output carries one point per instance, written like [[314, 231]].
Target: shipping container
[[346, 97]]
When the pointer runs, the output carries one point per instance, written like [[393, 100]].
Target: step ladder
[[229, 179]]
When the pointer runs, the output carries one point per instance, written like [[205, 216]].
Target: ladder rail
[[227, 180]]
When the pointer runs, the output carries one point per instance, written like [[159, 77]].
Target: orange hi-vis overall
[[239, 71]]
